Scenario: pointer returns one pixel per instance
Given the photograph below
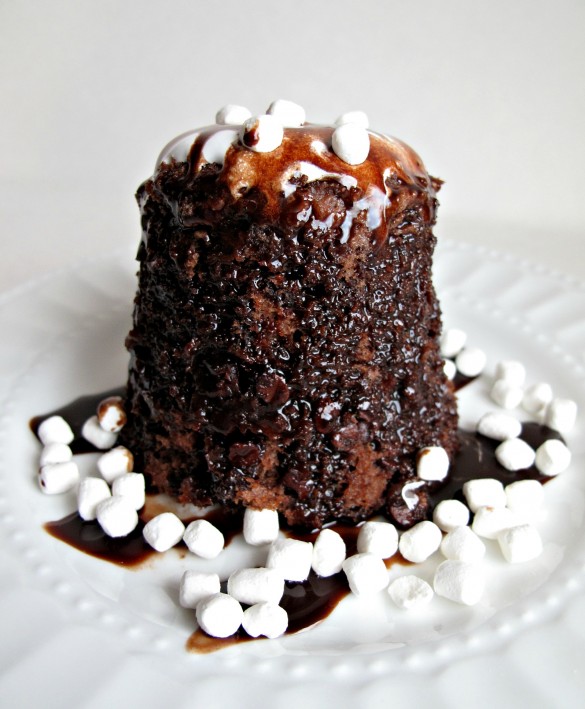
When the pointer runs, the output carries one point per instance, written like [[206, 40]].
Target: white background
[[491, 94]]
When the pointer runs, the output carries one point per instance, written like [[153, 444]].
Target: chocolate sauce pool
[[306, 603]]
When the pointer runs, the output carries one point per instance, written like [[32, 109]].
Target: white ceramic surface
[[78, 632]]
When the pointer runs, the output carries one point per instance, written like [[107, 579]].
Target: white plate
[[85, 633]]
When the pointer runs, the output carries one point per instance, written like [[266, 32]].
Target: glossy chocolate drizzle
[[306, 603]]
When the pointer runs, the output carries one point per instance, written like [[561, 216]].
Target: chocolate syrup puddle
[[306, 603]]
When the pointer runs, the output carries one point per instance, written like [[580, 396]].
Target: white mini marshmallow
[[204, 539], [506, 395], [366, 574], [512, 372], [57, 478], [257, 585], [260, 526], [290, 114], [460, 581], [490, 521], [378, 538], [450, 369], [55, 430], [499, 426], [116, 517], [552, 457], [267, 619], [114, 463], [432, 463], [561, 415], [515, 454], [232, 115], [291, 558], [95, 434], [132, 487], [328, 553], [522, 543], [55, 453], [111, 414], [219, 615], [360, 118], [452, 342], [351, 143], [484, 492], [410, 592], [420, 541], [262, 134], [463, 544], [524, 497], [449, 514], [163, 531], [91, 492], [197, 585], [471, 361], [537, 397]]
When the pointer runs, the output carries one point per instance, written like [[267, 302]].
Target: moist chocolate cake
[[284, 352]]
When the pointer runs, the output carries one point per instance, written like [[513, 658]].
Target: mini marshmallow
[[552, 457], [111, 414], [55, 453], [410, 592], [471, 361], [114, 463], [452, 342], [219, 615], [484, 492], [163, 531], [506, 395], [232, 115], [449, 514], [490, 521], [95, 434], [258, 585], [291, 558], [260, 526], [512, 372], [462, 544], [132, 487], [328, 553], [378, 538], [515, 454], [450, 369], [561, 415], [459, 581], [262, 134], [351, 143], [432, 463], [499, 426], [366, 574], [203, 539], [524, 497], [420, 541], [537, 397], [197, 585], [521, 543], [91, 492], [57, 478], [267, 619], [55, 430], [358, 117], [290, 114], [215, 147], [116, 517]]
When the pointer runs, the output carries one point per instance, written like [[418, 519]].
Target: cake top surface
[[278, 151]]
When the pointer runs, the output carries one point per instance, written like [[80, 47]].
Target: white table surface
[[491, 94]]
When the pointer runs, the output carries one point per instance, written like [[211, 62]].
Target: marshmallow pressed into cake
[[285, 345]]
